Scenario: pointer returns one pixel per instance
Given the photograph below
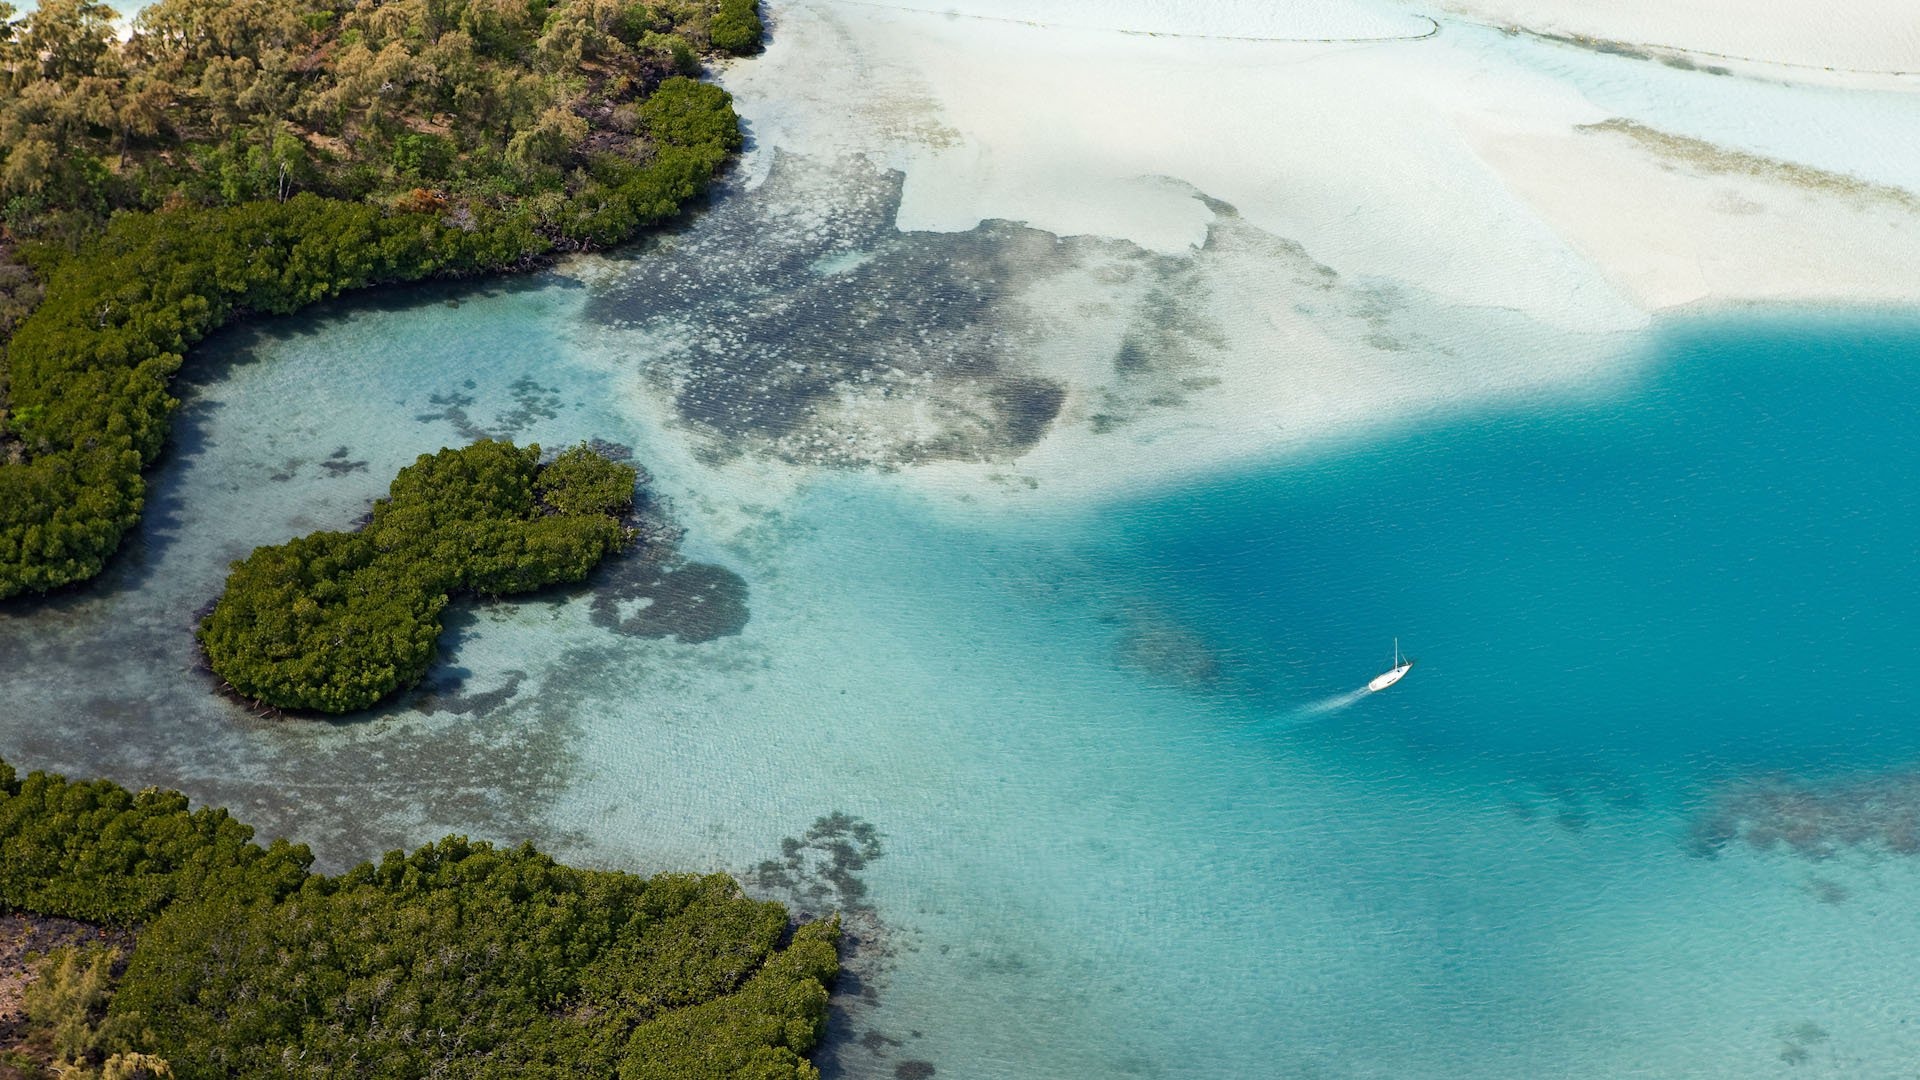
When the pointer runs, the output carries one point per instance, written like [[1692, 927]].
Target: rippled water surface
[[1643, 807], [1089, 770]]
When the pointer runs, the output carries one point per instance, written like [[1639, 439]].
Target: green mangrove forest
[[335, 621], [229, 157], [457, 960]]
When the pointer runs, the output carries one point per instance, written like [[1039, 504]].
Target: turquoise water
[[1140, 824], [1646, 806], [1703, 571]]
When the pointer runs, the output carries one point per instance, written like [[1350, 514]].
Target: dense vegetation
[[237, 156], [335, 621], [459, 960], [736, 27], [528, 107]]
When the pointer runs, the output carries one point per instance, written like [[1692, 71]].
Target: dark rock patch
[[1026, 407], [1828, 891], [817, 872], [454, 411], [800, 323], [1814, 819], [691, 602], [532, 403], [613, 451], [1167, 651], [823, 864], [442, 693]]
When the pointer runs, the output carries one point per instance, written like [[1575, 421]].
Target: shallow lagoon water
[[1638, 810]]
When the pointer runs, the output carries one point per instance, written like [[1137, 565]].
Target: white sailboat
[[1393, 674]]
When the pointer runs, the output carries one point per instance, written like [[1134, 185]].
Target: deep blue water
[[1714, 567]]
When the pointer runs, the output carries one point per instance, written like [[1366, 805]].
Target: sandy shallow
[[1861, 36], [1334, 175]]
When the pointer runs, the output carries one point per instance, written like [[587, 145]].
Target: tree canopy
[[459, 959], [335, 621], [219, 102], [236, 156]]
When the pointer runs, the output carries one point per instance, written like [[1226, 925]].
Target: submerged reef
[[458, 959], [335, 621], [1815, 819], [690, 601], [798, 322], [1167, 650], [821, 870], [532, 403], [656, 592]]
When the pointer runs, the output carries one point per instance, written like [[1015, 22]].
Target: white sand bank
[[1501, 214], [1857, 35], [1675, 221]]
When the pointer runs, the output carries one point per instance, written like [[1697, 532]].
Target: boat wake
[[1331, 704]]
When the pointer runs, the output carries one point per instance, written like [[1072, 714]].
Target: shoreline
[[149, 272], [1545, 220]]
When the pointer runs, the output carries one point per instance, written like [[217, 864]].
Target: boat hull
[[1388, 678]]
